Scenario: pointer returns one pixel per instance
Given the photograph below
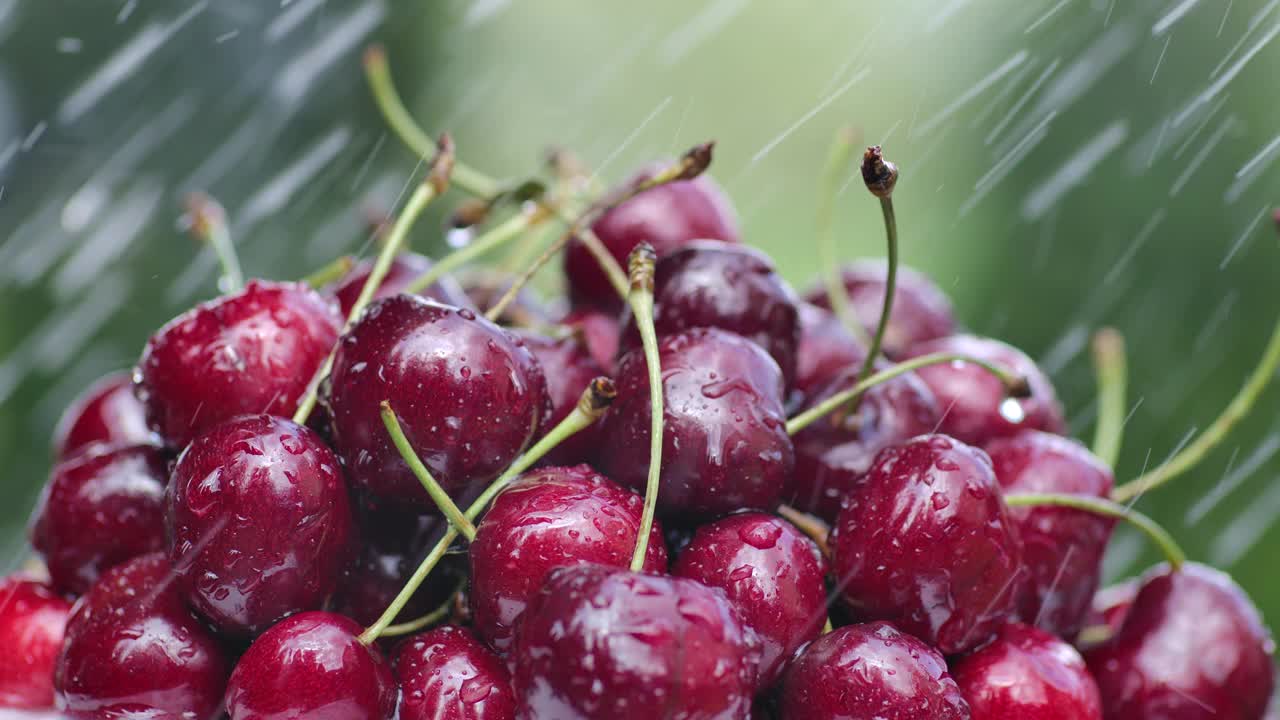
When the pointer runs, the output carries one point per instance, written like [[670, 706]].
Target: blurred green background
[[1066, 164]]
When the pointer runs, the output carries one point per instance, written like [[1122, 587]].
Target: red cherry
[[32, 620], [446, 674], [106, 412], [1108, 611], [1027, 674], [921, 311], [599, 330], [824, 349], [405, 268], [568, 368]]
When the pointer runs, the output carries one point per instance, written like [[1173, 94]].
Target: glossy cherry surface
[[133, 649], [1027, 674], [550, 518], [825, 348], [773, 575], [599, 329], [569, 368], [311, 666], [725, 444], [32, 620], [108, 412], [260, 522], [447, 674], [921, 311], [469, 396], [870, 672], [925, 541], [254, 351], [103, 506], [405, 268], [603, 642]]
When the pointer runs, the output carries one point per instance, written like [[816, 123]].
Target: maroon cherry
[[773, 575], [469, 396], [599, 330], [921, 312], [603, 642], [32, 620], [106, 412], [133, 649], [1107, 613], [311, 666], [975, 404], [1192, 647], [925, 541], [550, 518], [1027, 674], [825, 348], [260, 522], [446, 674], [569, 368], [870, 672], [254, 351], [100, 508], [1062, 547], [404, 269]]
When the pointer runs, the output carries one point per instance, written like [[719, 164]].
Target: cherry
[[446, 674], [259, 521], [773, 575], [32, 620], [1062, 547], [599, 330], [604, 642], [100, 508], [1027, 674], [1107, 613], [133, 649], [253, 351], [469, 396], [569, 368], [824, 349], [925, 541], [311, 666], [870, 672], [725, 445], [106, 412], [975, 405], [1192, 647], [547, 519], [405, 268], [921, 312]]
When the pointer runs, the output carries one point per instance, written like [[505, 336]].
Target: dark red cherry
[[446, 674], [975, 406], [603, 642], [925, 541], [569, 369], [599, 330], [1027, 674], [469, 396], [921, 311], [1062, 548], [260, 522], [32, 620], [550, 518], [1107, 612], [134, 650], [100, 508], [725, 443], [106, 412], [1192, 647], [825, 348], [404, 269], [254, 351], [311, 666], [773, 575], [666, 217], [870, 672]]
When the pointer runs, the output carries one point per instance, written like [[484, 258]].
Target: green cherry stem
[[641, 264], [881, 176], [494, 238], [209, 224], [837, 294], [1109, 508], [431, 618], [1110, 366], [330, 273], [437, 493]]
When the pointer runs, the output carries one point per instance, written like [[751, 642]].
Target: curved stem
[[493, 238], [1111, 369], [811, 525], [837, 294], [431, 618], [330, 273], [880, 177], [640, 299], [1102, 506], [209, 224], [437, 493]]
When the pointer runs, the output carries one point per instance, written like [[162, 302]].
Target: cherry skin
[[550, 518], [925, 541], [825, 348], [311, 666], [1192, 647], [603, 642], [976, 408], [1027, 674], [254, 351], [1107, 613], [106, 412], [133, 649], [569, 369], [773, 575], [32, 620], [921, 311], [100, 508], [870, 672], [1062, 547], [725, 444], [446, 674], [405, 268], [260, 522], [469, 396], [599, 330]]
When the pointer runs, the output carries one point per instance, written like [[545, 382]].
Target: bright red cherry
[[260, 522], [446, 674], [921, 311], [1027, 674], [925, 541], [824, 349], [599, 330], [404, 269], [100, 508], [106, 412], [32, 620], [569, 368], [254, 351]]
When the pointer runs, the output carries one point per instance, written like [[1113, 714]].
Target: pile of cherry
[[369, 500]]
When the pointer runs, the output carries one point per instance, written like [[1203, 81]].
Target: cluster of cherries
[[369, 499]]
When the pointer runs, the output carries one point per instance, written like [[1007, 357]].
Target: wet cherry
[[921, 311], [106, 412], [568, 367], [404, 269], [1027, 674], [32, 620], [446, 674]]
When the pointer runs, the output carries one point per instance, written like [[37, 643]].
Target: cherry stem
[[1110, 366], [641, 263], [209, 225], [330, 273], [431, 618], [1238, 408], [494, 238], [880, 176], [1015, 385], [1109, 508], [837, 293], [437, 493], [811, 525]]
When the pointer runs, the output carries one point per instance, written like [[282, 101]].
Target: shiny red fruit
[[446, 674], [32, 620], [921, 311], [106, 412], [825, 348], [404, 269], [569, 369], [1027, 674]]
